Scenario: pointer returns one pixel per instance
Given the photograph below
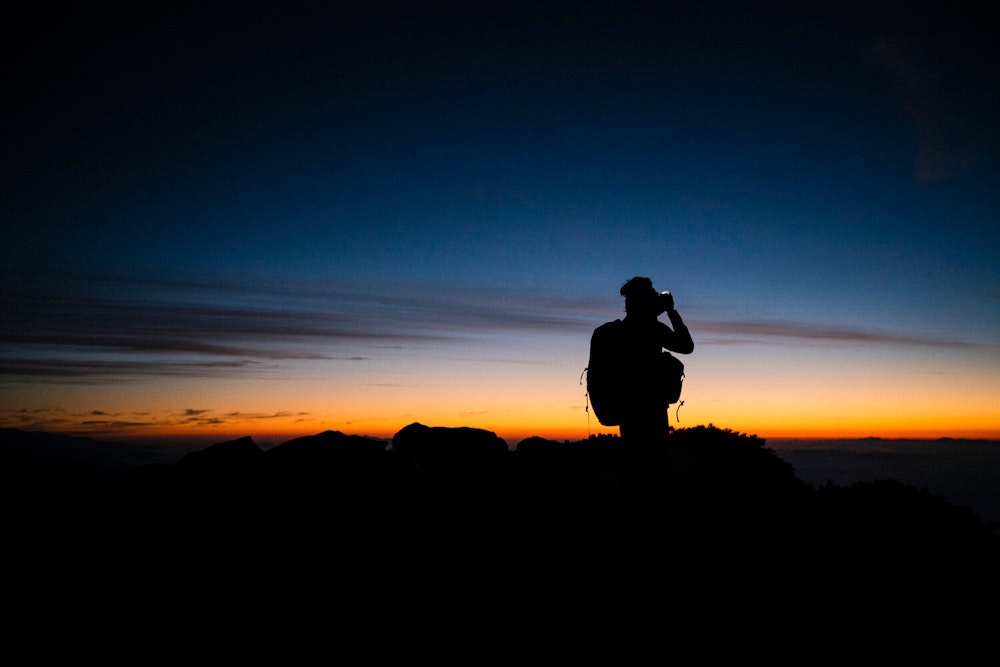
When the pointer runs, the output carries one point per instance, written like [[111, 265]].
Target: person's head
[[640, 297]]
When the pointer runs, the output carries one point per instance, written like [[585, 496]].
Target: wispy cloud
[[114, 424], [243, 416], [67, 370], [101, 421], [949, 90], [764, 331], [42, 419], [78, 329]]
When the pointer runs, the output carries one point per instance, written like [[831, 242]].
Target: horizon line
[[161, 438]]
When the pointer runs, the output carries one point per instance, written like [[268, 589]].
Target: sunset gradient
[[274, 222]]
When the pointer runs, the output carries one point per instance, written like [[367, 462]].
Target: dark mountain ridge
[[706, 480], [454, 509]]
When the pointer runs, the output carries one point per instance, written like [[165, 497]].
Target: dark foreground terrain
[[714, 519]]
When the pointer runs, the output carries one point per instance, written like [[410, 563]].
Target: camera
[[665, 301]]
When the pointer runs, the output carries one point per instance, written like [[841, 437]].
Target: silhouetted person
[[644, 418], [631, 382]]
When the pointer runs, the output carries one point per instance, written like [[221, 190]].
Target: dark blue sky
[[455, 171]]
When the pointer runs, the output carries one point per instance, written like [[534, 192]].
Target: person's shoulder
[[608, 327]]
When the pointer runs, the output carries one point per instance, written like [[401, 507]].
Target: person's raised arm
[[680, 339], [682, 342]]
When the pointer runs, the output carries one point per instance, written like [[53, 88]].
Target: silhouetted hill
[[440, 501], [966, 472], [55, 474]]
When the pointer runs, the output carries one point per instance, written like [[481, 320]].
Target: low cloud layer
[[89, 329], [109, 422], [747, 331]]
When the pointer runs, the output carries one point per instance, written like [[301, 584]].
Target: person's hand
[[666, 301]]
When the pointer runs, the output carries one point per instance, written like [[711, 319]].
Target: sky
[[274, 219]]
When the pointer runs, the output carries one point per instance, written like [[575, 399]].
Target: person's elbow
[[684, 344]]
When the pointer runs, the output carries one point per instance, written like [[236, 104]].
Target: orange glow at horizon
[[513, 428], [793, 393]]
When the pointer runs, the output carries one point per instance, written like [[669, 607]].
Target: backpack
[[608, 384]]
